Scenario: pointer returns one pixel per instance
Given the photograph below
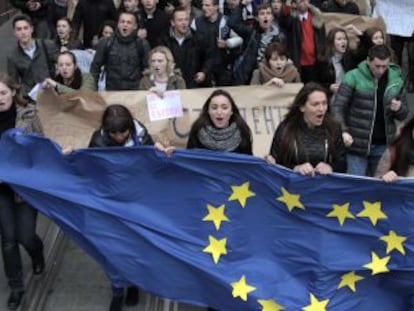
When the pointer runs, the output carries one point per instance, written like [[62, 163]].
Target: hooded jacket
[[355, 105]]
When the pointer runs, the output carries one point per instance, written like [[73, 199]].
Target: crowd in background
[[344, 119]]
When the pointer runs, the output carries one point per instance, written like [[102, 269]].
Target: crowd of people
[[344, 119]]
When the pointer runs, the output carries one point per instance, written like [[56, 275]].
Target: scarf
[[288, 75], [265, 39], [227, 139], [8, 119]]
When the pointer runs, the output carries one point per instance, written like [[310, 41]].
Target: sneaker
[[15, 299], [116, 303], [132, 296]]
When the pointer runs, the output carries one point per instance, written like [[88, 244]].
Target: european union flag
[[225, 230]]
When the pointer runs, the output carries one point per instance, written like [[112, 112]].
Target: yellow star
[[372, 211], [291, 200], [216, 215], [394, 241], [349, 279], [316, 305], [341, 212], [378, 265], [241, 193], [216, 248], [270, 305], [241, 289]]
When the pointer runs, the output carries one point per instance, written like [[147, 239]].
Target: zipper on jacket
[[373, 119]]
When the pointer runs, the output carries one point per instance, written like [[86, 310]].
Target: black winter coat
[[124, 58], [92, 13], [192, 56]]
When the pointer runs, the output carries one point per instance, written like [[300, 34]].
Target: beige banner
[[70, 119]]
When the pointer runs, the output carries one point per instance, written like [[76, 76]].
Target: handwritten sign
[[168, 106]]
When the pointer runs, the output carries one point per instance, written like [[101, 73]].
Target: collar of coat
[[317, 15]]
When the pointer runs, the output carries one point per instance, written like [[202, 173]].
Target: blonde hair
[[168, 55]]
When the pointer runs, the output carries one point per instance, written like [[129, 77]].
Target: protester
[[124, 56], [91, 14], [64, 36], [264, 32], [370, 37], [368, 102], [224, 42], [17, 219], [220, 126], [120, 128], [132, 6], [70, 77], [57, 10], [161, 74], [398, 160], [275, 69], [340, 6], [309, 139], [106, 30], [305, 31], [37, 10], [335, 61], [155, 22], [192, 54], [277, 6], [33, 60], [191, 10]]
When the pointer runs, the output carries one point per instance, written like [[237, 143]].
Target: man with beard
[[124, 56], [91, 14], [191, 54]]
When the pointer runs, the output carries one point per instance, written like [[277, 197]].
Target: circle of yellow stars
[[371, 210]]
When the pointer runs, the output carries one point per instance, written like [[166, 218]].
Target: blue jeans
[[365, 165]]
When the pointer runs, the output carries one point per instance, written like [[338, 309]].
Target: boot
[[132, 296], [116, 303]]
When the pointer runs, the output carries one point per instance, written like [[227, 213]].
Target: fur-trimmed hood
[[317, 15]]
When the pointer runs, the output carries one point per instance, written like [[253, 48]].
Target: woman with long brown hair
[[398, 159], [220, 126], [309, 140], [17, 219]]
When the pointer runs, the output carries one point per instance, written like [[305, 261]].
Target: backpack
[[244, 64]]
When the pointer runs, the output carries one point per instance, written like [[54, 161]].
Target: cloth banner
[[71, 118], [224, 230]]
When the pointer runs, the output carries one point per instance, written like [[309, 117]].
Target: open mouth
[[319, 117]]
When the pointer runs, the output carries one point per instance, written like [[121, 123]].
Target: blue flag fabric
[[224, 230]]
